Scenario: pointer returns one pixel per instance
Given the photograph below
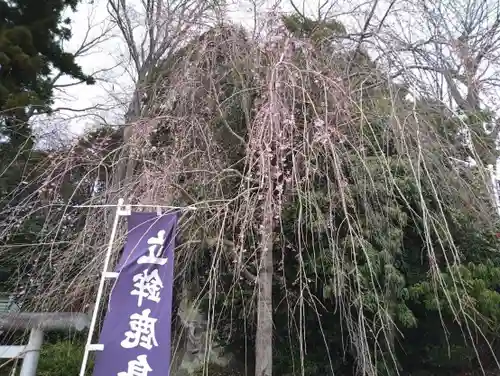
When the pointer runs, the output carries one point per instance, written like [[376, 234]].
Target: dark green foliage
[[317, 31], [62, 358], [31, 37]]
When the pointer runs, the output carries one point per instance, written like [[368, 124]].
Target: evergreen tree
[[31, 54]]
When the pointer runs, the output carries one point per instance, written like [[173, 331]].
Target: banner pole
[[119, 212]]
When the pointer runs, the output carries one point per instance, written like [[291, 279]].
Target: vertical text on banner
[[136, 333]]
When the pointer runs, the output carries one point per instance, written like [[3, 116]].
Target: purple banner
[[137, 327]]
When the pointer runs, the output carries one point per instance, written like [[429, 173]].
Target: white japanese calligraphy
[[156, 245], [138, 367], [142, 331], [147, 286]]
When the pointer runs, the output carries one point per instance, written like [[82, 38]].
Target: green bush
[[62, 359]]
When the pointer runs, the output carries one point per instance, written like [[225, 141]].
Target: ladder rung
[[95, 347], [111, 274]]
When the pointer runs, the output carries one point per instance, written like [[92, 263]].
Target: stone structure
[[37, 323], [196, 348]]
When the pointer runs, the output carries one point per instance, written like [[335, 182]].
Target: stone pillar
[[32, 353]]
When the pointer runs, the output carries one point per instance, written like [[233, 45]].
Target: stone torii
[[37, 323]]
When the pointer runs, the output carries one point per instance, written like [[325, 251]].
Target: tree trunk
[[264, 334]]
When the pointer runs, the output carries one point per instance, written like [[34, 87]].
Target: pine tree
[[31, 53]]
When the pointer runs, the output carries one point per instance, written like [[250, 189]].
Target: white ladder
[[121, 211]]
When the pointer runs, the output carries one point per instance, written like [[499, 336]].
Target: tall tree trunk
[[264, 334]]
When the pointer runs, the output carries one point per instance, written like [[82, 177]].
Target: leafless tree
[[151, 33], [456, 43]]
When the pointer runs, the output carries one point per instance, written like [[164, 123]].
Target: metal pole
[[32, 355], [119, 212]]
